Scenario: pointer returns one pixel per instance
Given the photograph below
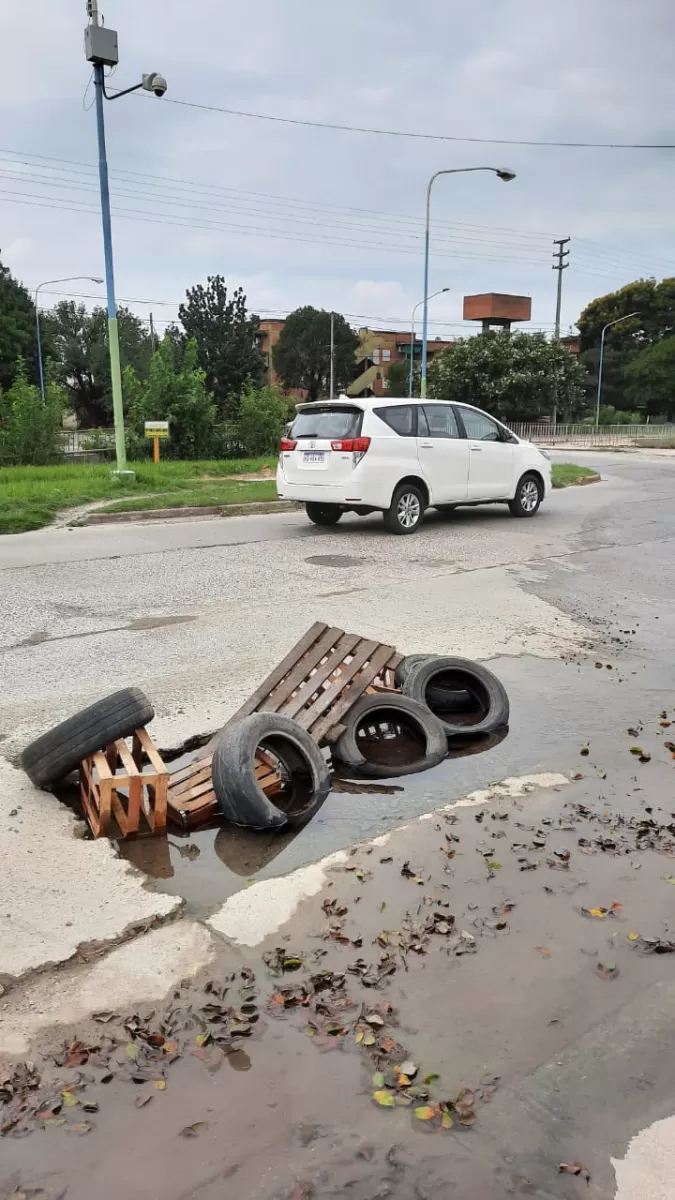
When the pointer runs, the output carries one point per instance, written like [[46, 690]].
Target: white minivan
[[400, 457]]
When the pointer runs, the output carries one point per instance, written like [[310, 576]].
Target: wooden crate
[[322, 677], [137, 770], [192, 800]]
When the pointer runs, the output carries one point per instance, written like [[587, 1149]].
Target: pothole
[[335, 560]]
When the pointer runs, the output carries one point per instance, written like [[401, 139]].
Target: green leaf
[[384, 1099], [378, 1079]]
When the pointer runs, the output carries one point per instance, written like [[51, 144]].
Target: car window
[[479, 427], [400, 418], [441, 421], [336, 421]]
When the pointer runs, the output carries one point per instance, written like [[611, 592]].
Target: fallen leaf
[[494, 866], [80, 1127], [607, 970], [141, 1101], [105, 1017], [636, 750], [132, 1051], [431, 1078], [544, 951], [202, 1038], [384, 1099], [598, 913], [382, 906], [426, 1112], [409, 1068], [194, 1130], [170, 1047], [69, 1099], [378, 1079], [160, 1085], [575, 1168], [645, 757], [374, 1018], [446, 1121], [633, 937]]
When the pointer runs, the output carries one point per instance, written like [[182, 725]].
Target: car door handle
[[426, 446], [475, 449]]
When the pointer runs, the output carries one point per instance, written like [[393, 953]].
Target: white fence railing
[[545, 434]]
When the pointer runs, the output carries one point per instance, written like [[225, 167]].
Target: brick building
[[378, 350]]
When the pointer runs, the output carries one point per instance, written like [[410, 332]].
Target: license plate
[[313, 456]]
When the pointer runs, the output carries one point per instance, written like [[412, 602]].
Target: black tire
[[323, 514], [407, 499], [443, 699], [456, 674], [239, 797], [58, 752], [348, 751], [528, 497]]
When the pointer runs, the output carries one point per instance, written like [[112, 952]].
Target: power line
[[434, 137], [596, 253]]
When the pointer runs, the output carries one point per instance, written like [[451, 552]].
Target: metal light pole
[[602, 356], [332, 356], [412, 336], [502, 173], [68, 279], [100, 47]]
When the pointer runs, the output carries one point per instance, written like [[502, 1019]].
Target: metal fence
[[545, 434], [100, 443]]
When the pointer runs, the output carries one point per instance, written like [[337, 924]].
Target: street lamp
[[100, 48], [502, 173], [602, 355], [68, 279], [412, 336]]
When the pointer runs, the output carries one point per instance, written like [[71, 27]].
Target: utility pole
[[152, 333], [559, 266], [100, 48], [332, 356]]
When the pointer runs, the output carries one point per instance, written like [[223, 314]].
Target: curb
[[167, 514]]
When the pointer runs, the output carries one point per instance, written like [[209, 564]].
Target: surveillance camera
[[154, 82]]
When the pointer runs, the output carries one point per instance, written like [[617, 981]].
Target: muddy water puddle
[[204, 866]]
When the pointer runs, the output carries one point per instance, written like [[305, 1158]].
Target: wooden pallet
[[137, 770], [316, 683], [321, 678], [192, 800]]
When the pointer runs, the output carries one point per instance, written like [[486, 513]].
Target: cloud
[[301, 215]]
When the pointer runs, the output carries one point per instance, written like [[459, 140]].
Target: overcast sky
[[300, 215]]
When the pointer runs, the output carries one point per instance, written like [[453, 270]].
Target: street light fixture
[[502, 173], [602, 356], [100, 48], [412, 336], [68, 279]]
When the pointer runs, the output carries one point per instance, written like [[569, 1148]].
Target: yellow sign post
[[156, 430]]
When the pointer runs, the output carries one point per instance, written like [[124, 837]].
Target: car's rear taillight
[[357, 445], [287, 444]]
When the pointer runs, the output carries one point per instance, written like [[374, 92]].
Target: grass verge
[[565, 474], [30, 497], [226, 493]]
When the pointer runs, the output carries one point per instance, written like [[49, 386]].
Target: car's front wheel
[[406, 510], [528, 497], [323, 514]]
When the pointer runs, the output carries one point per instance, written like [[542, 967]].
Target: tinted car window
[[479, 427], [330, 422], [441, 421], [400, 418]]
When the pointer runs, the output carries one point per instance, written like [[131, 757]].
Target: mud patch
[[344, 561]]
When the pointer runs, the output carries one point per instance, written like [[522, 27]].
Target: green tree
[[79, 340], [30, 430], [17, 329], [650, 379], [262, 416], [518, 376], [398, 379], [177, 395], [302, 354], [654, 302], [227, 343]]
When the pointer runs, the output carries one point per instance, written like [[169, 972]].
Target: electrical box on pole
[[100, 45]]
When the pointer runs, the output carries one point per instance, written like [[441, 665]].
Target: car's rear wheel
[[528, 497], [406, 510], [323, 514]]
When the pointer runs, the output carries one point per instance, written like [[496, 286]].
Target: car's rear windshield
[[333, 421]]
